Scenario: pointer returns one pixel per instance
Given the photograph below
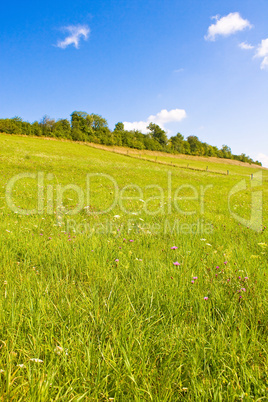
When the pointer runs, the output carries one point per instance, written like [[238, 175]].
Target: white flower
[[203, 239], [21, 365], [59, 350], [117, 216], [36, 360]]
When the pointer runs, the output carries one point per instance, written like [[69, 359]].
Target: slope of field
[[123, 279]]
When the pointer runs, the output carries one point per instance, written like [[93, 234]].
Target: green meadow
[[125, 279]]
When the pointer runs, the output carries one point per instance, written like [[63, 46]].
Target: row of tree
[[94, 128]]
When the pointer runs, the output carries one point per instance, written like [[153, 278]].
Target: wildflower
[[192, 281], [2, 371], [225, 262], [21, 365], [246, 278], [203, 239], [117, 216], [131, 241], [174, 248], [244, 289], [176, 263], [36, 360], [195, 278], [205, 298], [116, 260], [58, 350], [217, 267]]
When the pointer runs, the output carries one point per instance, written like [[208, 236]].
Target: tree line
[[94, 128]]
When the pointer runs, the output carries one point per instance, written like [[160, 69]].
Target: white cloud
[[245, 46], [162, 118], [263, 159], [77, 32], [227, 25], [180, 70], [136, 125], [262, 51]]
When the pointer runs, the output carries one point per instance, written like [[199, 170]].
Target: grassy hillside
[[163, 297]]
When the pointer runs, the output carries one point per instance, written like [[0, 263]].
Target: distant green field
[[127, 280]]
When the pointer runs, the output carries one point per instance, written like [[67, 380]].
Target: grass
[[138, 328]]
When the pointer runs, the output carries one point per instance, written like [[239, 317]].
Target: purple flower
[[217, 267], [225, 262], [195, 278], [246, 278], [244, 289], [176, 263], [174, 248], [131, 241], [205, 298], [117, 260], [192, 281]]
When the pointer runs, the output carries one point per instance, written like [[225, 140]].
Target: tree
[[177, 143], [226, 152], [47, 126], [195, 145], [119, 127], [158, 134]]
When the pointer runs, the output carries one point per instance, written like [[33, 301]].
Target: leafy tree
[[119, 127], [195, 145], [158, 134]]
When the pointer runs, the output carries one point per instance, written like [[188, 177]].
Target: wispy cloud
[[162, 118], [179, 70], [262, 51], [76, 33], [227, 25], [245, 46]]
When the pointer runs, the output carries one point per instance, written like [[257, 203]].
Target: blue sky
[[135, 61]]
